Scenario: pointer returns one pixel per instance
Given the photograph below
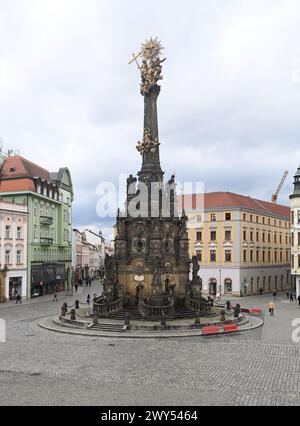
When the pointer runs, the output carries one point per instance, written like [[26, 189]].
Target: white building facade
[[13, 250], [295, 223]]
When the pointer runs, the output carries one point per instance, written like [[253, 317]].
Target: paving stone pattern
[[259, 367]]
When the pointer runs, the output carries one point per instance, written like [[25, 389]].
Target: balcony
[[46, 241], [46, 220]]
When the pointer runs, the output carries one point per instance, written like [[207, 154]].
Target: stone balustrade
[[150, 311]]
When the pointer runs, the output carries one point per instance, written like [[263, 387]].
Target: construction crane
[[275, 196]]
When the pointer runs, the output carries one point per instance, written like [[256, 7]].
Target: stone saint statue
[[195, 268], [110, 267], [158, 271]]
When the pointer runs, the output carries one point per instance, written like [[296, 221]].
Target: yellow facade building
[[243, 244]]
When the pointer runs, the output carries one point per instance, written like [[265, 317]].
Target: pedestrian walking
[[291, 297], [90, 282], [55, 299], [88, 299], [288, 295], [18, 299], [76, 287], [271, 308]]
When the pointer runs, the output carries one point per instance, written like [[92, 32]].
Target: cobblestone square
[[40, 367]]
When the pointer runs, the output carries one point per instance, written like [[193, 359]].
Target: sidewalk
[[62, 296]]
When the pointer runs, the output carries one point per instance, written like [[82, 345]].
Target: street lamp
[[220, 283]]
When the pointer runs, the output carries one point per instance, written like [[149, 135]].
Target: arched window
[[228, 285]]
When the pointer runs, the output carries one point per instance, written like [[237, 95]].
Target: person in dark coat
[[291, 297], [18, 299], [88, 299], [288, 295], [298, 300]]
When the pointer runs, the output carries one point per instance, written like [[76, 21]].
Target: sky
[[229, 107]]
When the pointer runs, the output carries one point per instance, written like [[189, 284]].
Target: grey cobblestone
[[259, 367]]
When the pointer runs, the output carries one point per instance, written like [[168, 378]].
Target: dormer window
[[12, 170]]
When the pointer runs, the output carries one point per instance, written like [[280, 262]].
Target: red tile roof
[[17, 174], [221, 200], [23, 168]]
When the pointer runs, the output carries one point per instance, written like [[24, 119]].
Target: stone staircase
[[108, 327]]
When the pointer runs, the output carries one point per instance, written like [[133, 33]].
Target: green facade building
[[49, 198]]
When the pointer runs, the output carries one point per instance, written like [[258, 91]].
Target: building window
[[35, 210], [35, 232], [269, 237], [199, 255], [251, 236], [275, 256], [251, 217], [7, 231], [245, 235], [228, 235], [228, 285], [264, 237], [7, 257], [199, 236], [257, 236], [251, 255], [213, 217], [19, 232], [298, 238], [227, 216], [264, 256], [245, 255], [269, 256], [19, 257], [213, 235], [257, 219], [244, 217], [66, 235], [227, 255], [213, 256], [275, 238], [298, 216], [298, 260], [263, 220], [257, 256]]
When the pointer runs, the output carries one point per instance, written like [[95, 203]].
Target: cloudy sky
[[229, 108]]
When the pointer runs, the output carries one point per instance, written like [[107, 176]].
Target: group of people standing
[[292, 297]]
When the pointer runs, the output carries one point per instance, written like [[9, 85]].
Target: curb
[[126, 335]]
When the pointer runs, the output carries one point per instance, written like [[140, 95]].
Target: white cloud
[[229, 107]]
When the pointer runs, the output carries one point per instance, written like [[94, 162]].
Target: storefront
[[48, 278], [15, 287]]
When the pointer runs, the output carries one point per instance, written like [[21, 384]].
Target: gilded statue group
[[151, 67], [147, 144]]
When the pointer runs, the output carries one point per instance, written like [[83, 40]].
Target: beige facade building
[[13, 250], [295, 219], [243, 244]]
